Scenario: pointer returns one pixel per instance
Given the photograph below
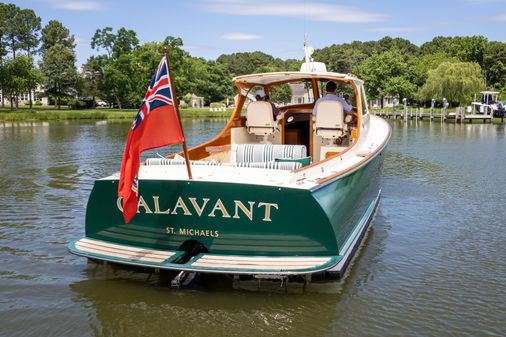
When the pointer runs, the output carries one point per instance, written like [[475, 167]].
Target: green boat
[[283, 190]]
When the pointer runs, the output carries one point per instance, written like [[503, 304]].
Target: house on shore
[[38, 95]]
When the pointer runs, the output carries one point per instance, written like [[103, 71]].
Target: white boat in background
[[489, 104]]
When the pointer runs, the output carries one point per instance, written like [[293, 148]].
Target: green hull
[[237, 220], [283, 221]]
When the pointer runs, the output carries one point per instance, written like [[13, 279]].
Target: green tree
[[55, 33], [119, 74], [3, 33], [103, 38], [465, 48], [457, 82], [4, 78], [145, 60], [402, 45], [245, 63], [345, 57], [9, 15], [399, 86], [423, 64], [341, 58], [124, 41], [58, 68], [117, 82], [292, 65], [494, 64], [20, 77], [28, 30], [280, 94], [386, 74], [91, 74], [217, 85], [20, 29]]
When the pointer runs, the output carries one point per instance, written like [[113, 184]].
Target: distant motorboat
[[489, 104]]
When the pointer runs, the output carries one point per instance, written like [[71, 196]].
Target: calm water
[[434, 263]]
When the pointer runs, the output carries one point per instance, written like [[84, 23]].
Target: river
[[434, 262]]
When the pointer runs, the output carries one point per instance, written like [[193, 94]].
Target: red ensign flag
[[155, 125]]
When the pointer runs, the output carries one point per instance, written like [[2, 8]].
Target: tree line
[[454, 68]]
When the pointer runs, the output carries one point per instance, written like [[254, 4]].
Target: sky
[[210, 28]]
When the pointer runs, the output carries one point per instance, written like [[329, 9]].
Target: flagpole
[[176, 106]]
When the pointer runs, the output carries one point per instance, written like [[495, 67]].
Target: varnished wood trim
[[219, 148]]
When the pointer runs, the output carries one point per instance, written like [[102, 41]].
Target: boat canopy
[[267, 79]]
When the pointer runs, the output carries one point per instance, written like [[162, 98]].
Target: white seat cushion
[[259, 119], [329, 121]]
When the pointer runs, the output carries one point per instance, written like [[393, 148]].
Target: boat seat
[[247, 153], [260, 120], [329, 123]]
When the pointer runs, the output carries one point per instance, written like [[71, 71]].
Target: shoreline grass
[[50, 114], [26, 114]]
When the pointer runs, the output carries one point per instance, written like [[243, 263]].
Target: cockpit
[[301, 112], [288, 120]]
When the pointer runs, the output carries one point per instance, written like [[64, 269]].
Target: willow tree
[[457, 82]]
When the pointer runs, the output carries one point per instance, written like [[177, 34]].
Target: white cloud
[[78, 5], [240, 36], [313, 11], [502, 17]]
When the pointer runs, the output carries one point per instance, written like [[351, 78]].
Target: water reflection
[[127, 304]]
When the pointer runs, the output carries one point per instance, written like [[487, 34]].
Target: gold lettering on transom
[[267, 216], [119, 203], [219, 206], [199, 209], [157, 206], [242, 207], [142, 203], [180, 204]]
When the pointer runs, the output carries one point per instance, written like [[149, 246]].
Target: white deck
[[368, 144]]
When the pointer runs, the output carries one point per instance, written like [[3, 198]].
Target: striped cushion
[[268, 165], [247, 153], [167, 161]]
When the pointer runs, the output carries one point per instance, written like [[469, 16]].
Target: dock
[[457, 117]]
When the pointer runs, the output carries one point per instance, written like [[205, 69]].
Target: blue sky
[[210, 28]]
